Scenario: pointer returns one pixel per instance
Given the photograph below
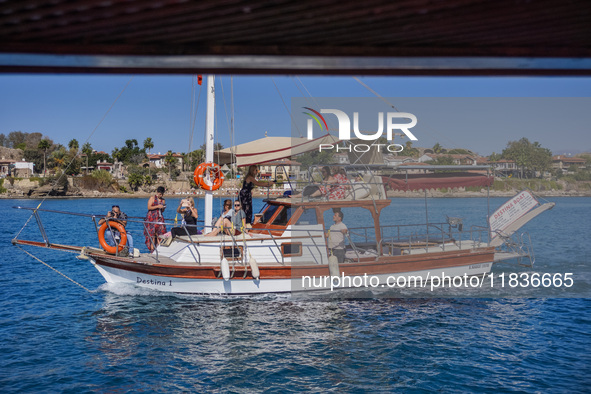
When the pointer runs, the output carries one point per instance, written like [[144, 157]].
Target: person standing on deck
[[336, 237], [154, 223], [245, 195]]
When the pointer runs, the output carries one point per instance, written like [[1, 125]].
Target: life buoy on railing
[[208, 176], [115, 226]]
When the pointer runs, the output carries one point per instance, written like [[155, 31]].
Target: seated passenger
[[112, 237], [334, 187], [234, 226], [187, 209], [227, 213]]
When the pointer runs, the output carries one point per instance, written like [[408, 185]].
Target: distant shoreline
[[390, 194]]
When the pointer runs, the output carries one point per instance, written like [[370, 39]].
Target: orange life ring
[[114, 226], [215, 179]]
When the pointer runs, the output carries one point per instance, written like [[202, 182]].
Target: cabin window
[[290, 249], [283, 217], [308, 217], [268, 213], [232, 252]]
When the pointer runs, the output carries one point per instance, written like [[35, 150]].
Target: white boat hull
[[286, 285]]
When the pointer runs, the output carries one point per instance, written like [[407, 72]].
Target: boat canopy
[[274, 148], [436, 180]]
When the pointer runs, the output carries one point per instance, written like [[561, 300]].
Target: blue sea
[[59, 337]]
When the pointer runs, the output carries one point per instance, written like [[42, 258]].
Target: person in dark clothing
[[245, 195]]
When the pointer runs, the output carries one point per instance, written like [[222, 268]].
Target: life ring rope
[[208, 176], [113, 226]]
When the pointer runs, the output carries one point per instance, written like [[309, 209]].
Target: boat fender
[[333, 266], [225, 269], [254, 268], [101, 237]]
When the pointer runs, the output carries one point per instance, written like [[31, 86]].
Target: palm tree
[[73, 145], [409, 150], [44, 145], [59, 158], [170, 160], [437, 148], [148, 144], [87, 151]]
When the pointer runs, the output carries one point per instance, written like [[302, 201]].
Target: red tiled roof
[[566, 159]]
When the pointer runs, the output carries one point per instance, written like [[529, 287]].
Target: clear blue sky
[[71, 106]]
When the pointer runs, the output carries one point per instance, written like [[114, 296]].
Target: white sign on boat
[[511, 211]]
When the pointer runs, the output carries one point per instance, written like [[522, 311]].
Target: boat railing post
[[310, 236], [95, 225], [277, 245], [155, 249], [184, 226], [354, 247]]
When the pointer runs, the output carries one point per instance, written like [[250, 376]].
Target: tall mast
[[209, 123]]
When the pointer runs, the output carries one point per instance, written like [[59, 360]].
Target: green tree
[[135, 180], [495, 157], [130, 153], [148, 144], [44, 145], [34, 156], [541, 160], [87, 151], [529, 158], [116, 154], [314, 157], [519, 152], [73, 145], [59, 158], [33, 139], [409, 150], [170, 161], [195, 158], [443, 161], [460, 151], [437, 148], [16, 138]]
